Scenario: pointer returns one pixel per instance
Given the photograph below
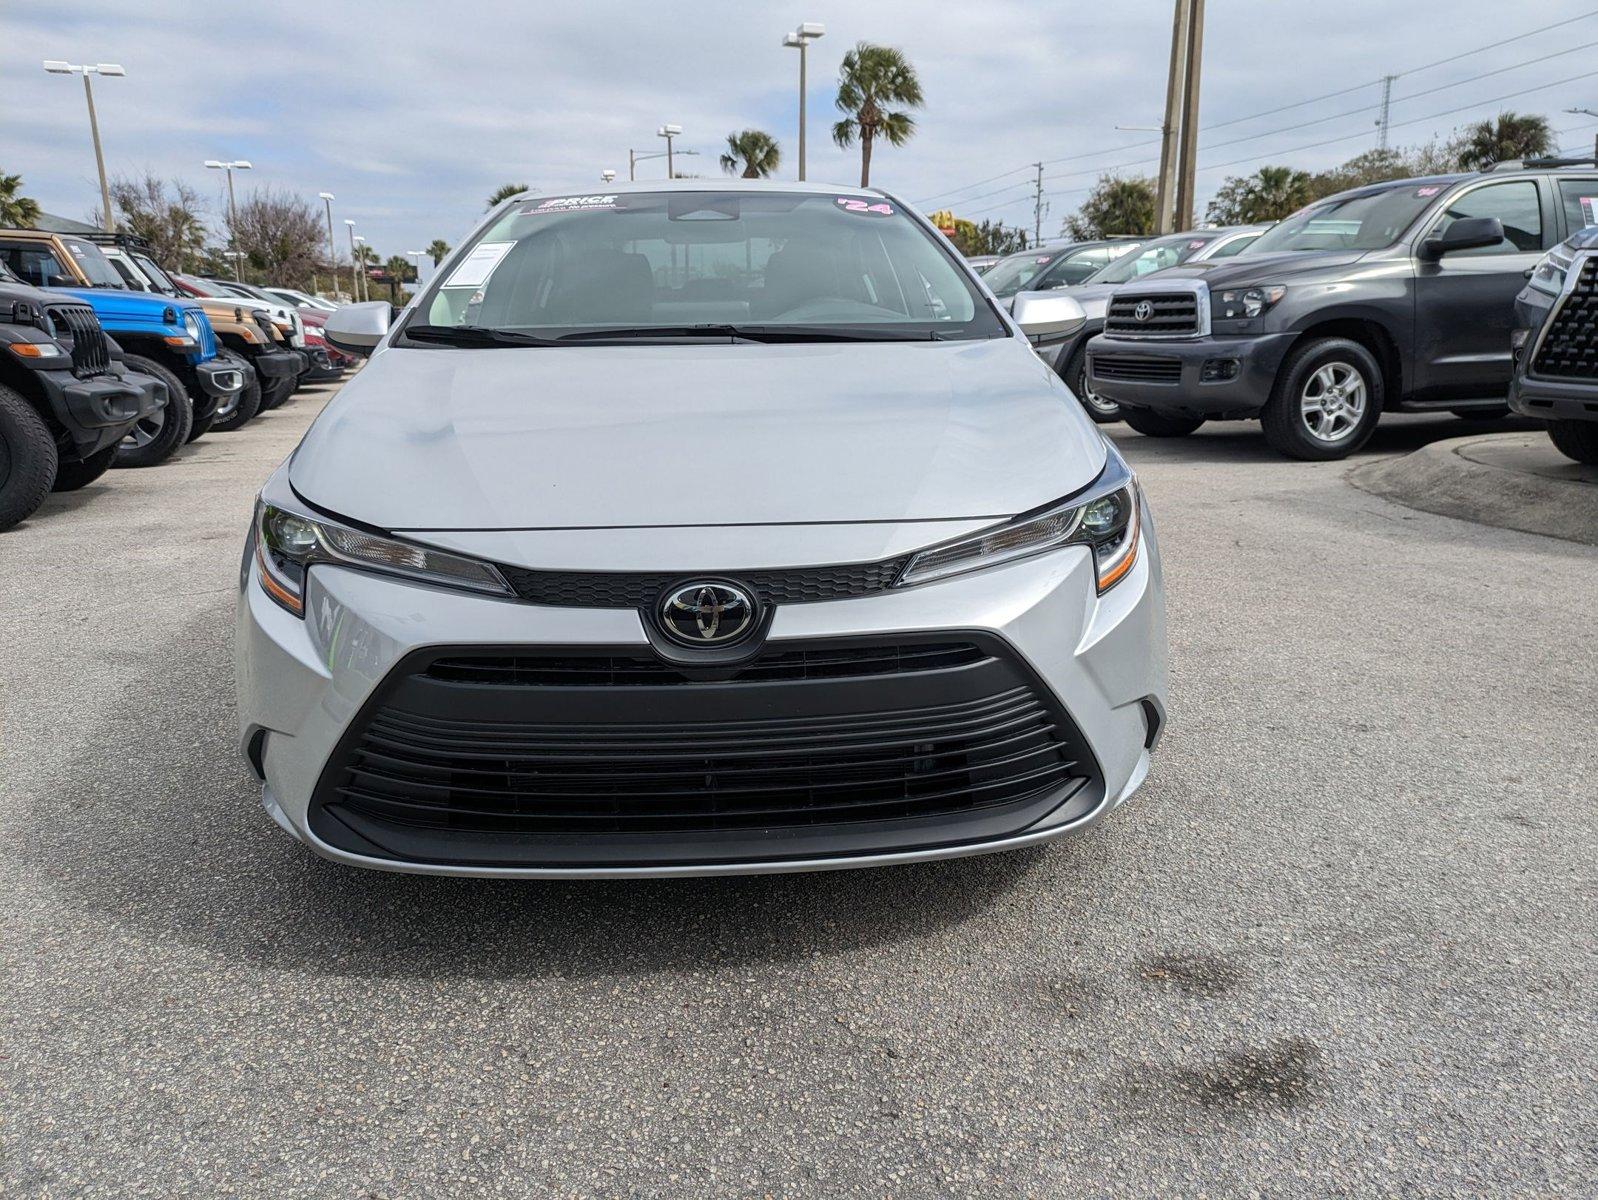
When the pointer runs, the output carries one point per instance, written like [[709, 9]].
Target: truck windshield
[[683, 264], [1365, 222], [96, 268]]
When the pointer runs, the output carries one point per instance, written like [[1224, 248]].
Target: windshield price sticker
[[1197, 245], [856, 205], [570, 204], [479, 265], [1589, 210]]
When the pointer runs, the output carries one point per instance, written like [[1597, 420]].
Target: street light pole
[[56, 67], [366, 280], [800, 38], [355, 265], [327, 199], [232, 208], [668, 132]]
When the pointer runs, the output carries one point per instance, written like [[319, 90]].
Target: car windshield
[[686, 264], [1156, 256], [1009, 275], [93, 263], [157, 276], [1365, 222]]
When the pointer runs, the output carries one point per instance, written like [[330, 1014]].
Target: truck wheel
[[1326, 402], [1575, 439], [241, 408], [1076, 378], [157, 437], [27, 459], [1160, 425], [70, 476], [274, 393]]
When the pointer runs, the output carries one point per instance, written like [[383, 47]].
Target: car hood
[[608, 436], [1248, 269], [130, 306]]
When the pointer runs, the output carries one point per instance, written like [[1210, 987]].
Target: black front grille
[[1569, 348], [626, 670], [79, 330], [1136, 368], [632, 589], [1169, 314], [522, 758]]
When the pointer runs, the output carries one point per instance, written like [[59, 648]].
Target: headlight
[[1549, 274], [37, 350], [1104, 518], [1244, 303], [288, 543]]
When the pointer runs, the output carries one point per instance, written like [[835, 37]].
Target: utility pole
[[1165, 192], [1387, 100], [1037, 207], [1587, 112], [1190, 107]]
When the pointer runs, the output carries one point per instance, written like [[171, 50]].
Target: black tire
[[241, 409], [1103, 411], [1160, 425], [27, 459], [70, 476], [1575, 439], [158, 437], [274, 392], [1348, 381]]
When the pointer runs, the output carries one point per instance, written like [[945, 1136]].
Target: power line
[[950, 194]]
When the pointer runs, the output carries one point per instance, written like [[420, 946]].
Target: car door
[[1465, 302]]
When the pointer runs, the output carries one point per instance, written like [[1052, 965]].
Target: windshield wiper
[[754, 333], [473, 335]]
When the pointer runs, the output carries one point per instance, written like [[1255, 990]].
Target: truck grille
[[1569, 348], [1136, 368], [79, 330], [525, 759], [1169, 314]]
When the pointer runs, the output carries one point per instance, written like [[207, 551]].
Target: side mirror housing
[[358, 328], [1047, 316], [1467, 233]]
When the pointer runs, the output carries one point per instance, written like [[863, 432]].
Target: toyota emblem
[[1144, 310], [707, 614]]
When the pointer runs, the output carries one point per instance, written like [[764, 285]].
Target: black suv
[[66, 400], [1396, 296], [1556, 344]]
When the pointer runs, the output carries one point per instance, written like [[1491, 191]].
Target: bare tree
[[165, 213], [282, 236]]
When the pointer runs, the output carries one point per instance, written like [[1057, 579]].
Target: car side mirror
[[1045, 316], [358, 328], [1467, 233]]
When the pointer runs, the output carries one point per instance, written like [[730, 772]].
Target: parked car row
[[1432, 294], [112, 361]]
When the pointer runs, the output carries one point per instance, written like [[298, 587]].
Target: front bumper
[[220, 377], [323, 365], [307, 686], [98, 411], [1553, 399], [1170, 376]]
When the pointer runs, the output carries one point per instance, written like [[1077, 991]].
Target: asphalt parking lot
[[1342, 944]]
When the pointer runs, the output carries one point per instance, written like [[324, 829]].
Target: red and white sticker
[[855, 204]]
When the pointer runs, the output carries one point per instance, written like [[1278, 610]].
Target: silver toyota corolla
[[691, 529]]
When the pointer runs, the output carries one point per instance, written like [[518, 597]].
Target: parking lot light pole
[[327, 199], [416, 257], [232, 208], [634, 157], [668, 132], [355, 263], [800, 38], [56, 67]]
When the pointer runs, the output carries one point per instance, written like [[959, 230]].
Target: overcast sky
[[412, 112]]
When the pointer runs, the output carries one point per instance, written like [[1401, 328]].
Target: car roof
[[699, 185]]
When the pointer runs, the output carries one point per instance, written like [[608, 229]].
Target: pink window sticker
[[1197, 245], [855, 204], [1429, 190]]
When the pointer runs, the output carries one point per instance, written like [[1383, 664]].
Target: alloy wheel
[[147, 430], [1333, 401]]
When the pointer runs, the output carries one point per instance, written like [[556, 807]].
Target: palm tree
[[504, 192], [398, 270], [437, 249], [870, 79], [755, 149], [1510, 136], [16, 212]]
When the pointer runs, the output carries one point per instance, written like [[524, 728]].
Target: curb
[[1452, 479]]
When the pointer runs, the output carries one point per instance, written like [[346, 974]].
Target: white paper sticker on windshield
[[479, 265], [570, 204], [1589, 210]]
